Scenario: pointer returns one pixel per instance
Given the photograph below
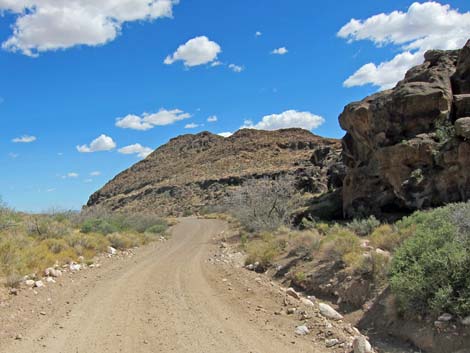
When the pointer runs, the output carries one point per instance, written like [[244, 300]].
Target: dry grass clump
[[31, 243], [264, 249]]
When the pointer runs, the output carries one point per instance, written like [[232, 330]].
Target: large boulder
[[462, 128], [402, 150]]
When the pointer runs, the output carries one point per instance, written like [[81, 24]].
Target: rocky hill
[[408, 148], [405, 149], [195, 171]]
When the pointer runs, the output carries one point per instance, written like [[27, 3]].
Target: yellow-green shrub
[[262, 251], [388, 237], [305, 241], [124, 241]]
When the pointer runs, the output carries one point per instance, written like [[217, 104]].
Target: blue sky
[[67, 86]]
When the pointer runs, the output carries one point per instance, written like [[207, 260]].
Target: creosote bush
[[429, 272]]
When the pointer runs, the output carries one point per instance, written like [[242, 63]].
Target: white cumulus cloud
[[95, 173], [101, 143], [24, 139], [133, 122], [236, 68], [148, 121], [428, 25], [137, 149], [191, 126], [43, 25], [258, 34], [196, 51], [212, 119], [280, 51], [225, 134], [287, 119]]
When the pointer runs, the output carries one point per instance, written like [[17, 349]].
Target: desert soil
[[174, 296]]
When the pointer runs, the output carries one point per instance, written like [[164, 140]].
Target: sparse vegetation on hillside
[[425, 258], [31, 243]]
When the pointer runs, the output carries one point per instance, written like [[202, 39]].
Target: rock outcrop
[[193, 172], [407, 148]]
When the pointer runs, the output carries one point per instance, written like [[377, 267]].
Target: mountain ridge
[[189, 166]]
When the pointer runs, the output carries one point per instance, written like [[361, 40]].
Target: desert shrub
[[322, 227], [340, 243], [445, 131], [160, 228], [375, 264], [139, 222], [56, 246], [364, 227], [388, 237], [429, 272], [300, 276], [10, 261], [45, 227], [37, 257], [105, 222], [97, 225], [88, 245], [304, 242], [263, 251], [13, 280], [8, 218], [124, 241], [264, 204]]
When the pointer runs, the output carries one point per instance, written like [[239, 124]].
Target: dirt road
[[168, 298]]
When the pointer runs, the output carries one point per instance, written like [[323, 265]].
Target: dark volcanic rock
[[192, 172], [401, 150]]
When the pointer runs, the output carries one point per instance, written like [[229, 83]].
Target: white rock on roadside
[[331, 342], [302, 330], [52, 272], [292, 293], [50, 280], [306, 302], [111, 250], [29, 283], [39, 284], [330, 313], [75, 267], [362, 345]]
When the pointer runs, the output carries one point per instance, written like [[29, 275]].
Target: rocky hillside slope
[[408, 148], [195, 171]]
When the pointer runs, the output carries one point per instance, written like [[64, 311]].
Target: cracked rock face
[[407, 148]]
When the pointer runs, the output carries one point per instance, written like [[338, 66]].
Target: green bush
[[429, 272], [157, 228], [99, 226], [364, 227]]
